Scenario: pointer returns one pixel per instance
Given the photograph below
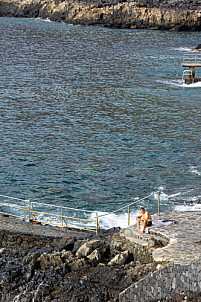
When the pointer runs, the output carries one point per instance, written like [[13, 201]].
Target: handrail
[[31, 212], [35, 219], [192, 58], [4, 204], [186, 74], [13, 198], [74, 209], [55, 215], [128, 205]]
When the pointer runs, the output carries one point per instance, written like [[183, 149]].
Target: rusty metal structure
[[192, 62]]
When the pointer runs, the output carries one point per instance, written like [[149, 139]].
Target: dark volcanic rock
[[155, 14], [198, 48], [37, 268]]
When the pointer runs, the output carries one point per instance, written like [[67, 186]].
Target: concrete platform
[[184, 235], [191, 65], [14, 225]]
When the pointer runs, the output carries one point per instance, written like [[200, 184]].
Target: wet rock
[[156, 243], [87, 248], [65, 244], [78, 244], [95, 257], [77, 264], [198, 48], [50, 260], [45, 271], [66, 256], [119, 259], [170, 14]]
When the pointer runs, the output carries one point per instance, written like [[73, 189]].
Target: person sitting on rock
[[145, 219]]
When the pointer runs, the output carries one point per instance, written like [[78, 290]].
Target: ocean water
[[95, 118]]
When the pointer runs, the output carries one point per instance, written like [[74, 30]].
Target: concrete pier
[[183, 235], [191, 62]]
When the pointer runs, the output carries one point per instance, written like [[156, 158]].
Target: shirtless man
[[145, 219]]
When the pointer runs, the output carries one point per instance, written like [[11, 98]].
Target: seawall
[[168, 15], [168, 281]]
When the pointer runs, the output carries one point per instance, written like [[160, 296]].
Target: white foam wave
[[164, 196], [46, 20], [43, 20], [184, 49], [105, 221], [116, 220], [185, 207], [194, 170], [194, 85], [177, 82]]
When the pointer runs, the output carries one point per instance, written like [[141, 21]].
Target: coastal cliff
[[168, 15]]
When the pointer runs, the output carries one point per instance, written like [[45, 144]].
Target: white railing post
[[158, 204]]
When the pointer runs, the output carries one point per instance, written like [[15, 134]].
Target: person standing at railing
[[145, 219]]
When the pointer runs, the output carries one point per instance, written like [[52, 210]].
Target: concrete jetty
[[13, 225], [183, 235], [192, 62]]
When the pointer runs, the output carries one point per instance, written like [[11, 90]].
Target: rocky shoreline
[[77, 269], [155, 14]]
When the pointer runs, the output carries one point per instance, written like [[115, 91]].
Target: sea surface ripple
[[95, 118]]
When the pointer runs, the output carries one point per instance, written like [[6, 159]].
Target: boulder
[[77, 264], [198, 48], [95, 257], [87, 248], [120, 259], [50, 260], [66, 256], [64, 244], [78, 244]]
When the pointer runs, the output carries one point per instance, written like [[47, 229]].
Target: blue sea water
[[94, 118]]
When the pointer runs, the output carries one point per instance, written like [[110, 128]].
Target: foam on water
[[195, 170], [194, 85], [184, 49], [186, 207], [177, 82], [43, 20], [116, 220]]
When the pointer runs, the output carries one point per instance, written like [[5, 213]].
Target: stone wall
[[167, 281]]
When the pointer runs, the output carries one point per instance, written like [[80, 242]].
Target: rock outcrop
[[198, 48], [39, 268], [155, 14]]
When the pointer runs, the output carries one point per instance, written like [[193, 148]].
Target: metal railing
[[187, 74], [31, 210], [131, 204], [192, 59]]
